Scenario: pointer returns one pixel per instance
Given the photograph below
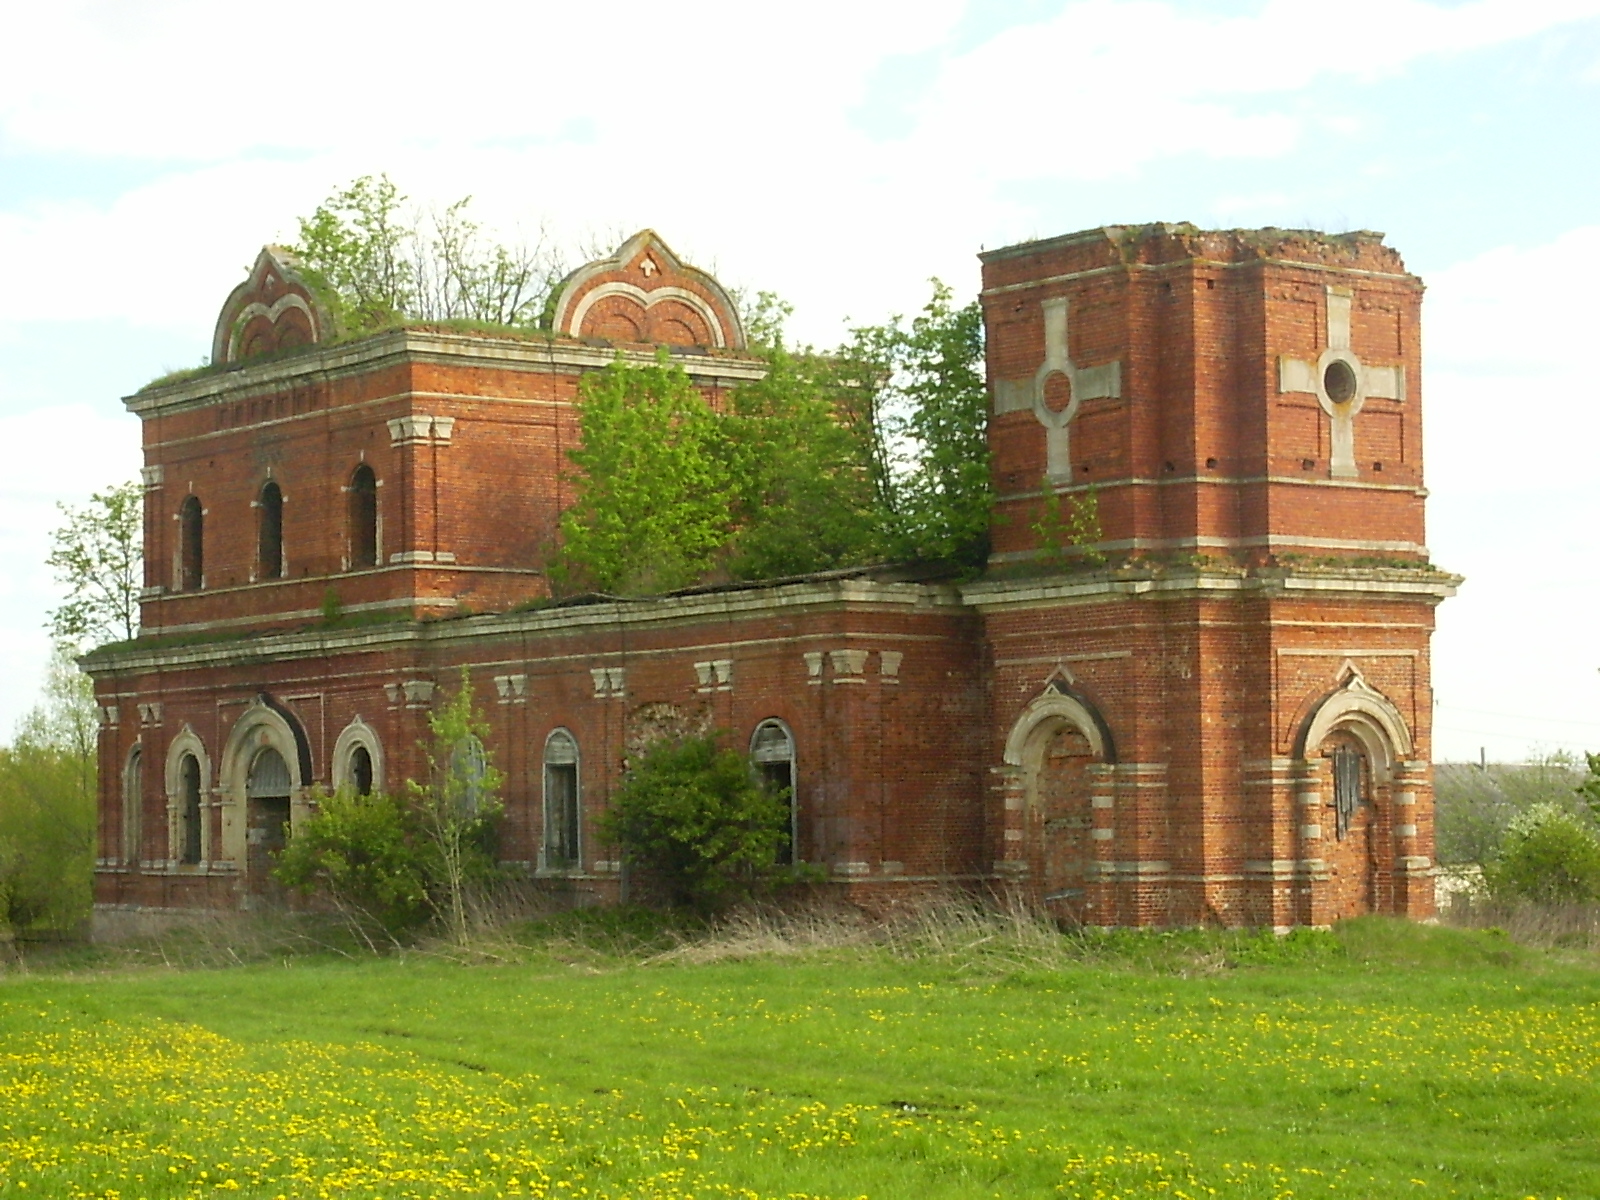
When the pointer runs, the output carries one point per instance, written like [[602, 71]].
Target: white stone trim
[[357, 733], [258, 727], [1048, 708], [184, 743]]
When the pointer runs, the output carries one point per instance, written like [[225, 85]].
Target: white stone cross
[[1083, 383], [1341, 383], [649, 267]]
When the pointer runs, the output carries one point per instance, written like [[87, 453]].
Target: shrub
[[47, 808], [365, 853], [692, 816], [1474, 806], [1549, 855]]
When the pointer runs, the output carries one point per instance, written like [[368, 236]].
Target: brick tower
[[1213, 702]]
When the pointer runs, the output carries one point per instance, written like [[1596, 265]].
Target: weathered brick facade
[[1228, 720]]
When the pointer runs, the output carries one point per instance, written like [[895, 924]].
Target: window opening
[[133, 807], [1346, 788], [469, 764], [191, 546], [772, 750], [561, 801], [189, 809], [270, 555], [363, 518], [361, 770]]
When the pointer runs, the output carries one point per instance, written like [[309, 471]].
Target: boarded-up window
[[1346, 788], [133, 807], [561, 826]]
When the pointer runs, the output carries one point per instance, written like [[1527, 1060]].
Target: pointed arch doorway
[[1060, 750], [268, 789]]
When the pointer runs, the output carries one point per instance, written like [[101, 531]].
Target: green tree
[[804, 497], [376, 264], [354, 248], [1474, 806], [1076, 524], [97, 554], [457, 809], [47, 807], [365, 853], [1550, 855], [692, 817], [654, 505], [1589, 790], [923, 418]]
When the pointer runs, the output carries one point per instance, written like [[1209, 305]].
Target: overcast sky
[[840, 153]]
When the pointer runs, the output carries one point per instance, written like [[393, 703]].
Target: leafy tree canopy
[[875, 452], [97, 554], [376, 263]]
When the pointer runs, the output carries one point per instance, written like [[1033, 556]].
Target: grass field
[[1384, 1060]]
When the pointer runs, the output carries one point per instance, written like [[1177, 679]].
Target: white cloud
[[57, 454], [197, 80], [1512, 417], [1108, 85]]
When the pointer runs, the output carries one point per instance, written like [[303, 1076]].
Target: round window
[[1339, 381]]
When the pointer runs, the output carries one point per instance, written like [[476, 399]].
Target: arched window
[[469, 765], [191, 546], [269, 541], [361, 770], [772, 751], [363, 518], [133, 807], [189, 810], [561, 825]]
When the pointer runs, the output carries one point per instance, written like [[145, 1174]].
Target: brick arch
[[186, 743], [262, 725], [644, 292], [273, 309], [1054, 706], [1366, 713], [1356, 729]]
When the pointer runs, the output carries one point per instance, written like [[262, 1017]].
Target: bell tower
[[1209, 599], [1245, 395]]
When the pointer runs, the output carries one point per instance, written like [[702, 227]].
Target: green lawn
[[1381, 1061]]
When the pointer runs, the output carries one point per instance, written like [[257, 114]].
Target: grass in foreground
[[1383, 1060]]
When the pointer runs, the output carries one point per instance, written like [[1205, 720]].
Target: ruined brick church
[[1228, 721]]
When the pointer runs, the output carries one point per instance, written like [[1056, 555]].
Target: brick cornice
[[1166, 583], [658, 612], [535, 353]]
